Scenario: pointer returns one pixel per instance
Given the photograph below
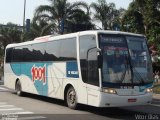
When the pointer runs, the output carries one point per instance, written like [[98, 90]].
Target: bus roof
[[70, 35]]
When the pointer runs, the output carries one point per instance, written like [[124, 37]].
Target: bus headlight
[[148, 90], [109, 90]]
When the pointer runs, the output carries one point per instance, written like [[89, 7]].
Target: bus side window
[[68, 49], [17, 54], [9, 55]]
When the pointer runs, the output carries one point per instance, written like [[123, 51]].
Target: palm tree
[[9, 34], [79, 21], [39, 27], [118, 20], [105, 13], [59, 11]]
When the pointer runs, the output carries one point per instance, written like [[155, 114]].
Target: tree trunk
[[145, 29]]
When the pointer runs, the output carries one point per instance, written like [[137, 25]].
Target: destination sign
[[111, 39]]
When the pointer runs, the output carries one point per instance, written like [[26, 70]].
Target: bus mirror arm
[[100, 61], [98, 49]]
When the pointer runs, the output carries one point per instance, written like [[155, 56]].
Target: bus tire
[[71, 98], [18, 88]]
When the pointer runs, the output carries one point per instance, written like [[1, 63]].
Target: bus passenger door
[[88, 58], [93, 79]]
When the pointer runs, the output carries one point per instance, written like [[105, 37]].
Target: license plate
[[132, 100]]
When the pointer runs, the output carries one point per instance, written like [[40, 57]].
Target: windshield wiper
[[126, 68], [133, 70], [137, 74]]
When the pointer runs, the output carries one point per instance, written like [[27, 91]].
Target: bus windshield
[[126, 59]]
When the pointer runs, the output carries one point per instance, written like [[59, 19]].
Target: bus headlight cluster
[[148, 90], [109, 90]]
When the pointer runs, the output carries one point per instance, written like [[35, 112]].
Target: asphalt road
[[33, 107]]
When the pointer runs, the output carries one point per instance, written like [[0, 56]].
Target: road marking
[[6, 106], [27, 112], [10, 109], [32, 118], [6, 109]]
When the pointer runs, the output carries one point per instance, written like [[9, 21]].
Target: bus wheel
[[18, 88], [71, 98]]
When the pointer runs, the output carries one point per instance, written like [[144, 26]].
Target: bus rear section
[[42, 67]]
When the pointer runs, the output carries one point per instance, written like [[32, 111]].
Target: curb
[[156, 97]]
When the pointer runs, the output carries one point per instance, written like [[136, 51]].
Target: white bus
[[97, 68]]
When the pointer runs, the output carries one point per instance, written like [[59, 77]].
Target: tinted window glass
[[58, 50], [8, 54], [93, 67], [51, 52], [17, 54], [38, 52], [27, 53], [87, 43], [68, 49]]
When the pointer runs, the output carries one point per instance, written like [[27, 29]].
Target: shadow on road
[[43, 98], [113, 113]]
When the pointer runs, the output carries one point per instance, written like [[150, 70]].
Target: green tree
[[132, 20], [59, 11], [150, 11], [105, 13], [118, 19], [143, 17], [11, 33]]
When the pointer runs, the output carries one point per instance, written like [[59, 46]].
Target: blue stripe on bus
[[30, 69], [72, 69], [40, 81]]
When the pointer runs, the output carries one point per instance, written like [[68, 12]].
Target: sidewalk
[[156, 96], [156, 100]]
